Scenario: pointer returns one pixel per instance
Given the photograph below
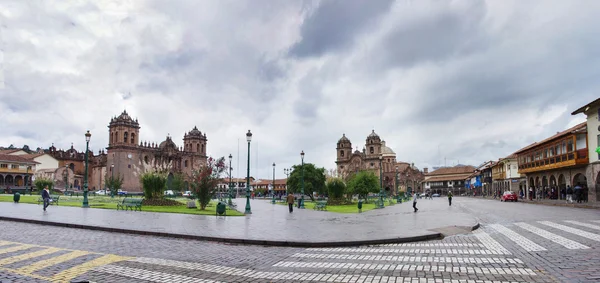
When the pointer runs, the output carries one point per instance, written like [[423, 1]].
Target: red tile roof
[[8, 151], [16, 159], [452, 170], [578, 127]]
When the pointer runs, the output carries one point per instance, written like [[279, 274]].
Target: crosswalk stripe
[[591, 226], [479, 260], [411, 251], [408, 267], [525, 243], [569, 244], [278, 275], [490, 243], [445, 245], [69, 274], [575, 231], [17, 248], [50, 262], [27, 256], [149, 275]]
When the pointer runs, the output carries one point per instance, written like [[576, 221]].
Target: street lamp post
[[248, 210], [301, 204], [380, 204], [230, 181], [273, 188], [85, 177], [396, 185], [112, 180]]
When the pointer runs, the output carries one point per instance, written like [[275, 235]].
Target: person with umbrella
[[578, 192]]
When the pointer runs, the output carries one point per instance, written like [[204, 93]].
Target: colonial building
[[15, 171], [506, 177], [375, 155], [447, 179], [556, 162], [592, 172], [128, 157]]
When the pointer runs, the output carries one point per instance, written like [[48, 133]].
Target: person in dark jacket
[[449, 198], [415, 202], [290, 201], [46, 197]]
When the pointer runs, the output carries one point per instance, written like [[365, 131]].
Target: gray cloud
[[478, 79], [335, 24]]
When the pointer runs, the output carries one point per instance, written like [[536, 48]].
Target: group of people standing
[[578, 193]]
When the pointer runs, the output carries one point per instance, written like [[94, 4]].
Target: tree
[[154, 184], [114, 183], [314, 180], [206, 179], [41, 183], [178, 182], [363, 183], [336, 189]]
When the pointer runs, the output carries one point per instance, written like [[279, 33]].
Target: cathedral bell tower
[[123, 131], [373, 145]]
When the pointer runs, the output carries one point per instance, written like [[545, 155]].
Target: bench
[[321, 205], [133, 203], [54, 199]]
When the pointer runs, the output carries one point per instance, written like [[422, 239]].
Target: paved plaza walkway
[[268, 225]]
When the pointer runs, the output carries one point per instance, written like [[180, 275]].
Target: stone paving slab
[[268, 225]]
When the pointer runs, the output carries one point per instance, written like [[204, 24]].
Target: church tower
[[122, 151], [194, 142], [344, 149], [373, 145]]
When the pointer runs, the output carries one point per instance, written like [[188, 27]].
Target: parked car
[[101, 192], [169, 193], [187, 194], [436, 195], [509, 196], [121, 192]]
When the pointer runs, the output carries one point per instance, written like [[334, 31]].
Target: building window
[[570, 145], [202, 149], [342, 153], [371, 149], [125, 137], [3, 165], [185, 164], [342, 167], [372, 164], [14, 166], [133, 138], [146, 159]]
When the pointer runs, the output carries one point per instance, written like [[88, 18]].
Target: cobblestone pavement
[[530, 247]]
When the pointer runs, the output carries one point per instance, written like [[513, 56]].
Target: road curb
[[425, 237]]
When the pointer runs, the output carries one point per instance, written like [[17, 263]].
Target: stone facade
[[129, 158], [126, 156], [375, 155], [559, 178]]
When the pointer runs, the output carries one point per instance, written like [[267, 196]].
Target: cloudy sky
[[465, 81]]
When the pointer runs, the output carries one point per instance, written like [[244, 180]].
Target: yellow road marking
[[50, 262], [17, 248], [26, 256], [69, 274]]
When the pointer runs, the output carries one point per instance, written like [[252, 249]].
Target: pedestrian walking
[[415, 202], [290, 201], [450, 198], [569, 194], [46, 197], [578, 193]]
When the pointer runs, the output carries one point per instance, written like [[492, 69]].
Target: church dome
[[387, 150], [168, 143], [343, 139], [373, 135]]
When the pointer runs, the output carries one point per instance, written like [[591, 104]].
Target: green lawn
[[107, 202], [345, 208]]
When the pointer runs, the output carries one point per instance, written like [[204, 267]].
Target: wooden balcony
[[579, 157], [14, 171]]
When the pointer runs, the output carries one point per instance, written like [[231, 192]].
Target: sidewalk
[[556, 202], [268, 225]]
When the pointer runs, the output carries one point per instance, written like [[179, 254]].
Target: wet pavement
[[269, 224]]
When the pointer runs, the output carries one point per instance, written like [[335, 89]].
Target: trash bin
[[359, 204], [221, 208], [17, 197]]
